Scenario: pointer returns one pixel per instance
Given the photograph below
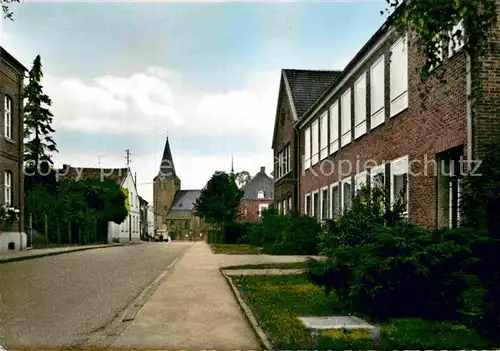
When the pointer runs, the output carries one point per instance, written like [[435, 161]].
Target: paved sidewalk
[[194, 308], [10, 256]]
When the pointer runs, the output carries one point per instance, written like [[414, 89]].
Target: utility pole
[[99, 157], [127, 159]]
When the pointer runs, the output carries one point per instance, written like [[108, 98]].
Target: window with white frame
[[399, 181], [334, 127], [324, 203], [399, 76], [345, 118], [359, 181], [279, 207], [377, 177], [288, 159], [8, 187], [323, 136], [308, 205], [315, 142], [335, 208], [377, 93], [260, 194], [261, 208], [346, 194], [283, 162], [456, 43], [8, 125], [290, 204], [360, 107], [315, 204], [283, 206], [307, 148]]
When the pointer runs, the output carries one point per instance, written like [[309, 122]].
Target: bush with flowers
[[8, 215]]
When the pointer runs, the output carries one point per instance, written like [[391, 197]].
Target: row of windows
[[282, 164], [333, 200], [333, 129]]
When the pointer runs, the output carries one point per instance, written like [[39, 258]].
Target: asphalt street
[[57, 301]]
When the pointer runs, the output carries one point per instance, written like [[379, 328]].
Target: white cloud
[[151, 101]]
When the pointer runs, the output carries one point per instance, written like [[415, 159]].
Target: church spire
[[167, 168]]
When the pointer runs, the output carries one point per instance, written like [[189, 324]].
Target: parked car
[[162, 235]]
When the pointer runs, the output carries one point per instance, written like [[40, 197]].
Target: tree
[[219, 200], [7, 14], [242, 178], [39, 143]]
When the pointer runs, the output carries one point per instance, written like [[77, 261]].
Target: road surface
[[57, 301]]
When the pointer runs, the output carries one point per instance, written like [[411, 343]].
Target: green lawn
[[278, 300], [287, 265], [235, 249]]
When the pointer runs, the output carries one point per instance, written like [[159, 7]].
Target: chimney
[[263, 169]]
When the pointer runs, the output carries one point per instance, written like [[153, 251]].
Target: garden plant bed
[[235, 249], [278, 301]]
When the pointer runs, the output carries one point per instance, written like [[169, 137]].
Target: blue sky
[[120, 74]]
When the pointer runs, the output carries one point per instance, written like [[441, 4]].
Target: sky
[[122, 75]]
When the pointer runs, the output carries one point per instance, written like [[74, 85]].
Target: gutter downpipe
[[469, 110]]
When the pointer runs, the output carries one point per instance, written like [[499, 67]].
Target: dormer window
[[260, 194]]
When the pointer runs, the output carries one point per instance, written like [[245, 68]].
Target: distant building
[[258, 195], [129, 230], [173, 207], [11, 148], [143, 205]]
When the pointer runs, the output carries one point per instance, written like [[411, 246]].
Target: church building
[[173, 207]]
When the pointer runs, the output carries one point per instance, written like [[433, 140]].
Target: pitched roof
[[167, 168], [184, 200], [306, 86], [84, 173], [260, 182], [4, 54]]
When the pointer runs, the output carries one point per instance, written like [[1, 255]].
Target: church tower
[[165, 186]]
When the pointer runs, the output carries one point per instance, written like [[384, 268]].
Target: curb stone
[[261, 334], [47, 254]]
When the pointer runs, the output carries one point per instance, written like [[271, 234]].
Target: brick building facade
[[258, 195], [11, 146], [372, 120]]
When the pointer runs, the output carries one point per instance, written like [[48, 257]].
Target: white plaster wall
[[19, 239]]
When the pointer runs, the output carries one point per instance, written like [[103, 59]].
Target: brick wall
[[418, 132], [486, 115], [11, 150], [285, 187], [249, 210]]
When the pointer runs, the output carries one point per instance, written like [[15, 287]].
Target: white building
[[130, 229]]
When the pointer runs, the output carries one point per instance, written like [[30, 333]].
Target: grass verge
[[235, 249], [285, 265], [277, 301]]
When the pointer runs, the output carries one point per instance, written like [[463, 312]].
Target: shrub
[[237, 233], [300, 236]]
